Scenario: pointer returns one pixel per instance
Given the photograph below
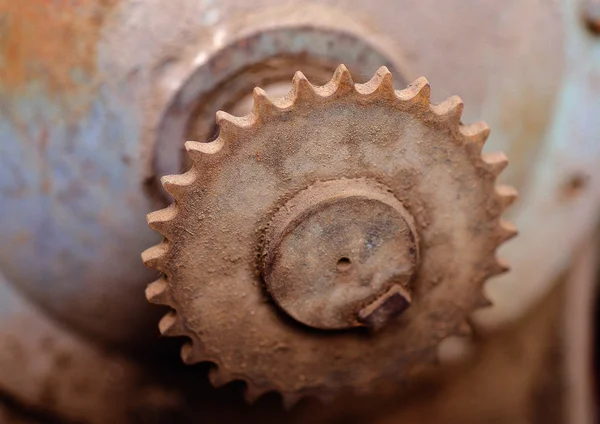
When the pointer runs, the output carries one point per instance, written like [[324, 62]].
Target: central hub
[[340, 255]]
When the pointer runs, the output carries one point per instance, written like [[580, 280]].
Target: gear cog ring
[[346, 185]]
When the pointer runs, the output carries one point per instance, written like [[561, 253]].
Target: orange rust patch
[[50, 41]]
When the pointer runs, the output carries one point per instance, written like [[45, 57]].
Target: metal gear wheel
[[329, 240]]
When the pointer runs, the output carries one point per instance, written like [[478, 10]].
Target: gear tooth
[[382, 84], [482, 301], [476, 134], [231, 127], [198, 151], [414, 99], [496, 162], [506, 231], [508, 195], [177, 185], [161, 220], [454, 349], [263, 104], [153, 257], [289, 400], [218, 377], [342, 81], [497, 267], [302, 88], [187, 353], [418, 92], [193, 351], [170, 325], [451, 109], [224, 119], [252, 393], [157, 292], [464, 329]]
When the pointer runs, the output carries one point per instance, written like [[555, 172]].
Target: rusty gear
[[330, 239]]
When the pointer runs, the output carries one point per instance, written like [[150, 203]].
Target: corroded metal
[[125, 61], [260, 55], [84, 86], [68, 155], [288, 158], [336, 247], [385, 308]]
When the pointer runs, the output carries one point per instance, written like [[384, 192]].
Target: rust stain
[[297, 216], [50, 40]]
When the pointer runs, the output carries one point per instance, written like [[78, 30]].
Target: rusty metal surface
[[73, 165], [428, 162], [335, 248], [84, 86], [68, 155], [538, 370], [514, 376], [58, 377], [264, 49]]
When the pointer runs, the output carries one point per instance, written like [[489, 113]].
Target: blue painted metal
[[83, 86]]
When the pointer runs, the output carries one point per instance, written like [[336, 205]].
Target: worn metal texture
[[300, 146], [357, 241], [515, 376], [79, 134], [266, 49], [84, 86], [538, 370], [72, 178]]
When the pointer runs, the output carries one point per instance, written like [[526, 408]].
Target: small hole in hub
[[344, 264]]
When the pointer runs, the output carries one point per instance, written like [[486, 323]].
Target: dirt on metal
[[353, 242], [51, 42], [215, 231]]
